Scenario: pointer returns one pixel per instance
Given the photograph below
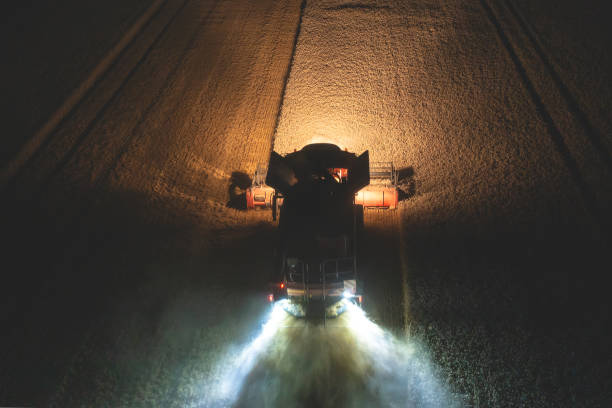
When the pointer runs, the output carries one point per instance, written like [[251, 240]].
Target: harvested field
[[136, 278]]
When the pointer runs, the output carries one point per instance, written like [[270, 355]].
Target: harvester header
[[371, 184]]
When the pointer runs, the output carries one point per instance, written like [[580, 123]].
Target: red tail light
[[270, 297], [282, 285]]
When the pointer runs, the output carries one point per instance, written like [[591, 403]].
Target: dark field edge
[[12, 168], [83, 136], [593, 134], [553, 131], [516, 315]]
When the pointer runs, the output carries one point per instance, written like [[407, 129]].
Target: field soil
[[134, 276], [502, 130], [49, 48], [122, 252]]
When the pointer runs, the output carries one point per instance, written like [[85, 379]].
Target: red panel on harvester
[[259, 197], [377, 197]]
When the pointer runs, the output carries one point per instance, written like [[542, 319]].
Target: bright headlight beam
[[402, 372], [395, 371], [240, 366]]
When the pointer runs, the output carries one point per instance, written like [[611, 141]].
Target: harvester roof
[[310, 167]]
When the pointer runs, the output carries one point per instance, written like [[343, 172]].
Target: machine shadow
[[84, 257], [86, 230], [238, 183], [406, 183]]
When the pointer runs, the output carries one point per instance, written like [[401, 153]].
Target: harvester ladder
[[304, 272], [322, 269]]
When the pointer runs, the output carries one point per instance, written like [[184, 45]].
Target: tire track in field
[[75, 229], [555, 134], [133, 136], [40, 138], [90, 205], [41, 151], [45, 181], [595, 137], [110, 102], [228, 124], [288, 73]]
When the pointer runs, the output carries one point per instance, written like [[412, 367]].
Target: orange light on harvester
[[259, 197], [339, 174], [377, 197]]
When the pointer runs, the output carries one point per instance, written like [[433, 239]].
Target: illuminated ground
[[349, 361], [132, 279]]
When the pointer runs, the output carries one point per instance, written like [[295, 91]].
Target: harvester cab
[[319, 193]]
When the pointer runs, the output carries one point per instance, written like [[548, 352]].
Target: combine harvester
[[318, 195]]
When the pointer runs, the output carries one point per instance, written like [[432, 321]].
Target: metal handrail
[[383, 171]]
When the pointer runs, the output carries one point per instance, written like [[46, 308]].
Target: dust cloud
[[349, 361]]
